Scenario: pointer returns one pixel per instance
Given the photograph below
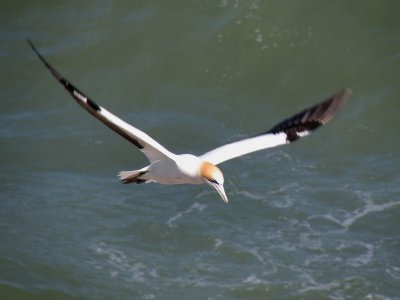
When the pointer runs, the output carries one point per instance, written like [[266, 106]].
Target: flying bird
[[169, 168]]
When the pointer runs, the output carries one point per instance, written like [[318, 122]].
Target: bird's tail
[[136, 176]]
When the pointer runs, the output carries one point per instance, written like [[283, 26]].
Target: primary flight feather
[[169, 168]]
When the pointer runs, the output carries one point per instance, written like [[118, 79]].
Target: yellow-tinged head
[[213, 176], [211, 172]]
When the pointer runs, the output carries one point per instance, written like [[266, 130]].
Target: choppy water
[[315, 220]]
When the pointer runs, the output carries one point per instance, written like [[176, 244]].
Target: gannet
[[169, 168]]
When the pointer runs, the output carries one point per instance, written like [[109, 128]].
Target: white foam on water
[[361, 259], [253, 279], [351, 217], [249, 195], [258, 35], [285, 196], [327, 217], [217, 243], [283, 202], [253, 252], [269, 266], [317, 258], [194, 207], [393, 271], [225, 3], [120, 265], [311, 241], [203, 193], [377, 297], [370, 207], [321, 286], [335, 287]]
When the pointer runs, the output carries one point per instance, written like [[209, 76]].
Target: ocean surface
[[318, 219]]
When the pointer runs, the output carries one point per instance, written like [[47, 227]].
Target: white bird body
[[169, 168], [181, 169]]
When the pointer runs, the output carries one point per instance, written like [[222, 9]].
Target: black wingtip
[[46, 63], [310, 119], [74, 91], [28, 40], [332, 105]]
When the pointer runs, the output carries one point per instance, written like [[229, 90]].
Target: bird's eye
[[213, 181]]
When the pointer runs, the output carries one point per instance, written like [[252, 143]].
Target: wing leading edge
[[151, 148], [285, 132]]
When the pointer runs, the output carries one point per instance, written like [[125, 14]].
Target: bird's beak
[[219, 188]]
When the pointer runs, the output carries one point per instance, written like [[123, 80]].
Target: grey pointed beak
[[219, 188]]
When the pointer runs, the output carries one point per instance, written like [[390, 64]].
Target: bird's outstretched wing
[[287, 131], [152, 149]]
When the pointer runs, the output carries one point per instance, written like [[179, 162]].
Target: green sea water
[[318, 219]]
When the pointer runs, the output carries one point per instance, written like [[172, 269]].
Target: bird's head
[[213, 176]]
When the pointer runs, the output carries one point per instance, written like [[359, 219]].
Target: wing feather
[[285, 132], [151, 148]]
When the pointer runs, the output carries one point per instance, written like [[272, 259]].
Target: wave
[[194, 207], [351, 217]]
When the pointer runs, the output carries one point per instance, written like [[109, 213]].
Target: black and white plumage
[[285, 132], [169, 168]]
